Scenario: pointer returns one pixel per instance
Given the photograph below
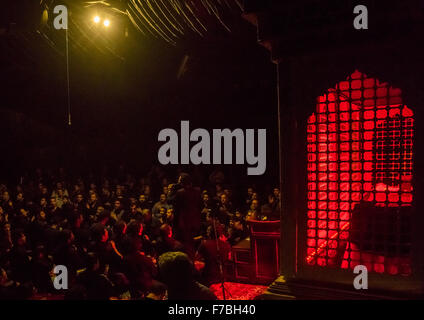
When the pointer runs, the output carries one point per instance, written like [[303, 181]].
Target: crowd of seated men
[[115, 235]]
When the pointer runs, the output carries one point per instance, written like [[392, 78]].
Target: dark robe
[[188, 205]]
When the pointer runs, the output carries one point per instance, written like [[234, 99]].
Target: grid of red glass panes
[[360, 147]]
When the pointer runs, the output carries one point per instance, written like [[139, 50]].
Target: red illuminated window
[[360, 191]]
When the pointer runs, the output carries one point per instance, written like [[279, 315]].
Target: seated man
[[237, 231], [253, 213], [167, 242], [95, 283], [176, 271]]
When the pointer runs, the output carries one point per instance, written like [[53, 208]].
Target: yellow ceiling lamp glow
[[96, 19], [106, 22]]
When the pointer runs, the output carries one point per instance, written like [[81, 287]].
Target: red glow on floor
[[238, 291]]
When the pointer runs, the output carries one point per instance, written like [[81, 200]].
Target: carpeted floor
[[238, 291], [233, 291]]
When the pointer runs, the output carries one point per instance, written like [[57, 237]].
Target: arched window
[[360, 169]]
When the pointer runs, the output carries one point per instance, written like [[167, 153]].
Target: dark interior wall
[[398, 63], [119, 106]]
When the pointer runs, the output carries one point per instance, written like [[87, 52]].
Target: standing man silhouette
[[187, 202]]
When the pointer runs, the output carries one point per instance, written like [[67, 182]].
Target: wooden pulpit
[[265, 242]]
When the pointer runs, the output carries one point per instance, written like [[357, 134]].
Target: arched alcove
[[360, 178]]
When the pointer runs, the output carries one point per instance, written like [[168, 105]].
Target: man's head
[[133, 208], [135, 228], [157, 291], [93, 197], [238, 214], [266, 210], [165, 190], [172, 264], [254, 205], [224, 198], [77, 188], [3, 277], [100, 210], [166, 231], [185, 179], [147, 190], [20, 238], [100, 233], [147, 216], [105, 191], [6, 196], [238, 225], [43, 201], [6, 228], [20, 196], [205, 197], [162, 198], [42, 215], [93, 263], [169, 214]]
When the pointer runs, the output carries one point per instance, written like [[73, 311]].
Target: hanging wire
[[67, 77]]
